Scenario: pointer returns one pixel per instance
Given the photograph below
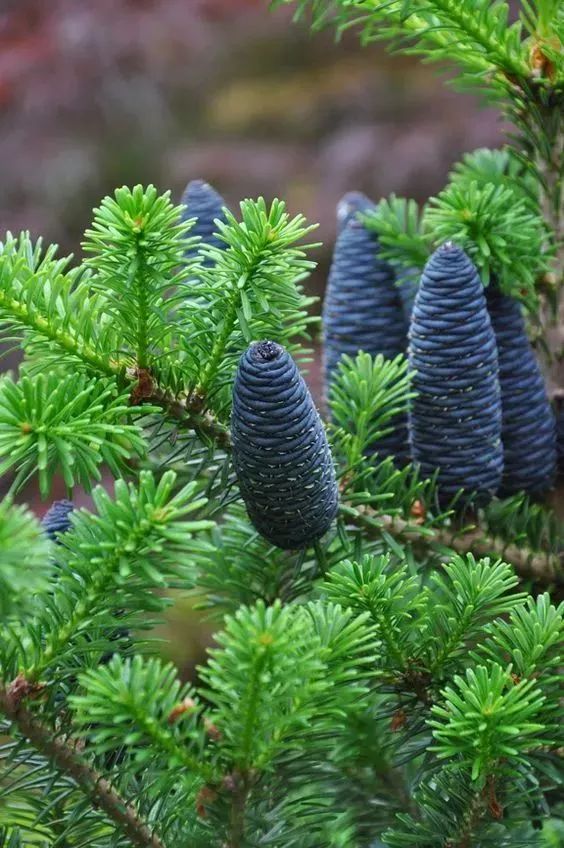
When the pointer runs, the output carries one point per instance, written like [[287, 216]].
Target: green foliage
[[365, 396], [531, 639], [251, 290], [497, 229], [399, 224], [472, 35], [24, 553], [239, 567], [136, 247], [487, 719], [265, 651], [499, 167], [123, 693], [486, 209], [389, 597], [50, 308], [137, 542], [68, 425]]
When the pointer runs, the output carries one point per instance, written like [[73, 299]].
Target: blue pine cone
[[280, 451], [205, 204], [57, 519], [528, 427], [455, 419], [363, 310]]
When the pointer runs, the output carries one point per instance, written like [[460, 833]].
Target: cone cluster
[[481, 420]]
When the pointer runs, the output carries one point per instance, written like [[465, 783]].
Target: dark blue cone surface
[[57, 519], [455, 420], [205, 204], [408, 291], [528, 426], [280, 450], [363, 311]]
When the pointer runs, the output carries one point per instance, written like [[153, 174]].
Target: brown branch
[[188, 412], [538, 565], [64, 754]]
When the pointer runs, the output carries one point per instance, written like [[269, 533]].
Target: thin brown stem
[[63, 753], [188, 413], [237, 815]]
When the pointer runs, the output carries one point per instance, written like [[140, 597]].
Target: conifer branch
[[63, 752], [538, 565], [188, 412], [66, 340]]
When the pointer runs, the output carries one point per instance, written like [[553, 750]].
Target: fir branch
[[544, 567], [121, 697], [498, 229], [70, 424], [400, 226], [252, 290], [475, 592], [63, 752], [189, 413], [471, 34], [486, 720], [366, 396], [110, 562], [389, 598], [24, 555], [43, 300], [137, 247]]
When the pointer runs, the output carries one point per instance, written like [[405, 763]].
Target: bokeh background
[[95, 95], [98, 94]]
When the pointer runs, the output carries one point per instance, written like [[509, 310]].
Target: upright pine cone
[[528, 427], [205, 204], [455, 420], [57, 519], [362, 308], [280, 450]]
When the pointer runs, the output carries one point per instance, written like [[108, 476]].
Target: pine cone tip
[[198, 189], [350, 205], [266, 351]]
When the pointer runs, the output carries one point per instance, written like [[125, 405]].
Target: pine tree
[[396, 678]]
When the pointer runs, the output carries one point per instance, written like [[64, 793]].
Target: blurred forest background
[[98, 94], [95, 95]]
